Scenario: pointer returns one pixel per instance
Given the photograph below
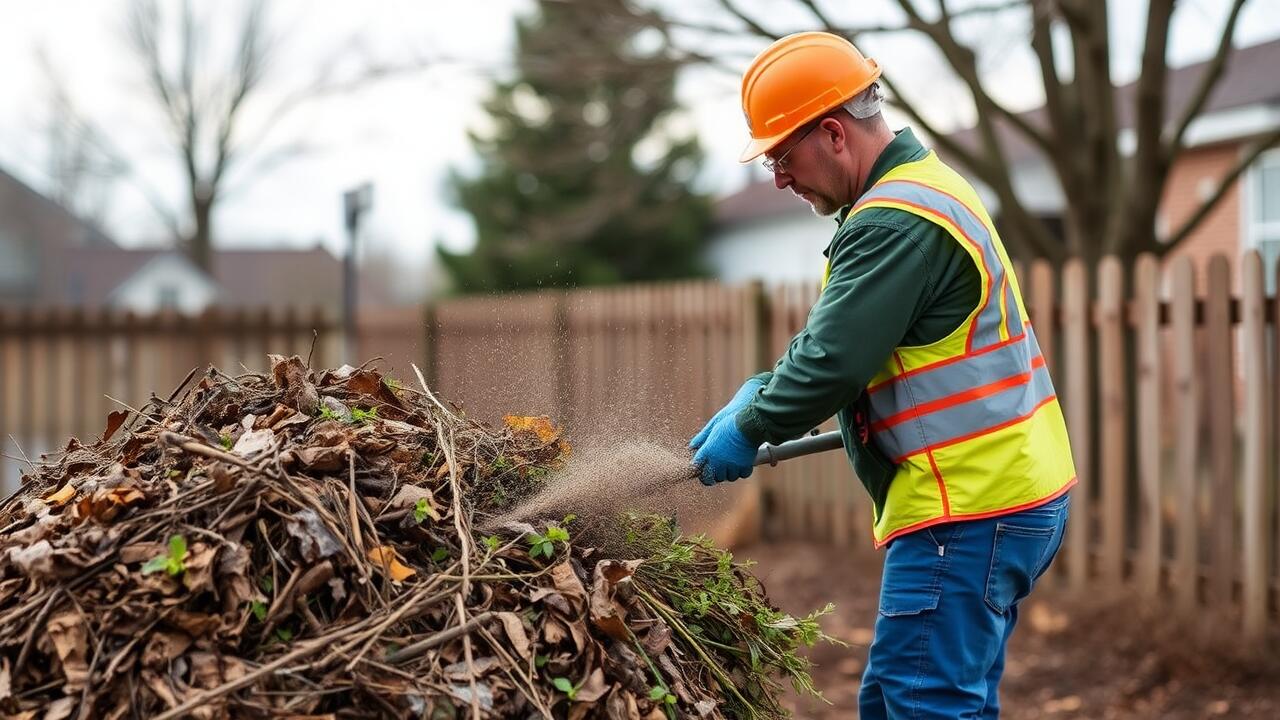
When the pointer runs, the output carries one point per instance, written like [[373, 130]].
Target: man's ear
[[837, 133]]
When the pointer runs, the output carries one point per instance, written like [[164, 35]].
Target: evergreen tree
[[582, 182]]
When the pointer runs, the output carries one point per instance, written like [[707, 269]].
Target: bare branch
[[963, 60], [817, 13], [1208, 81], [1149, 170], [1224, 186], [747, 20]]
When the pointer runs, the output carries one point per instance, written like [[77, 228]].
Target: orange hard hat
[[796, 79]]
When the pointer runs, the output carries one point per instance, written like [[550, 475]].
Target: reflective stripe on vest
[[958, 418]]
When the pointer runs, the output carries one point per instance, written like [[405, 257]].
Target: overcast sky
[[404, 133]]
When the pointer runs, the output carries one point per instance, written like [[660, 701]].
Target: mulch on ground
[[1070, 657]]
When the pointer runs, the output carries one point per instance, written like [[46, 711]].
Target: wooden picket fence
[[63, 371], [1169, 398], [1169, 386]]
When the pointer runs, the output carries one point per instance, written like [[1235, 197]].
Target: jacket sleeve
[[878, 285]]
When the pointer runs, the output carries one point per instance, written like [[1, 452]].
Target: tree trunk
[[200, 242]]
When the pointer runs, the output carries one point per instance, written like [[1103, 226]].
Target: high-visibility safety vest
[[971, 422]]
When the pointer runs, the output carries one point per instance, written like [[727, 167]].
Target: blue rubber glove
[[726, 454], [739, 401]]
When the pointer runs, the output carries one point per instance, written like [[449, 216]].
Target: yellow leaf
[[386, 558], [62, 496], [539, 425]]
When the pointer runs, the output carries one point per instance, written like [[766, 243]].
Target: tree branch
[[1042, 44], [747, 20], [964, 62], [1208, 82], [1146, 177], [1224, 186]]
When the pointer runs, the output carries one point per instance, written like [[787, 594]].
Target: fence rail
[[1170, 400]]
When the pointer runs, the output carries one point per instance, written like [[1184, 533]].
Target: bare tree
[[201, 107], [1111, 196]]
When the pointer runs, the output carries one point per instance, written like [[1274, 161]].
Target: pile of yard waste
[[313, 543]]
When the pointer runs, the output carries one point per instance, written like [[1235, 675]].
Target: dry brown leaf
[[209, 670], [67, 633], [553, 599], [514, 626], [291, 376], [198, 564], [254, 443], [567, 582], [195, 624], [657, 639], [315, 542], [606, 614], [388, 560], [409, 495], [157, 685], [141, 552], [61, 496], [323, 458], [35, 560], [114, 421], [553, 631], [163, 647], [593, 689], [621, 705]]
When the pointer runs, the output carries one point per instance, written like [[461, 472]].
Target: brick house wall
[[1192, 179]]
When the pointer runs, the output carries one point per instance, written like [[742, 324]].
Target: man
[[919, 343]]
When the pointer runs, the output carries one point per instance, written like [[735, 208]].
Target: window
[[16, 272], [1264, 213], [168, 297]]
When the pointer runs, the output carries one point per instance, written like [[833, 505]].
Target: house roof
[[47, 220], [247, 278], [758, 199]]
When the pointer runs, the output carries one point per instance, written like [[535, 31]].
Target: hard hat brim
[[759, 146]]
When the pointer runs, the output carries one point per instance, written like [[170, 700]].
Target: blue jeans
[[948, 603]]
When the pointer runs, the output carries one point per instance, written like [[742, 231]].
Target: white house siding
[[781, 248], [166, 282]]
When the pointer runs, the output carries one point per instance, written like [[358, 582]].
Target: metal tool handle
[[807, 445]]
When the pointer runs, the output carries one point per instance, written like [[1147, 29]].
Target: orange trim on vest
[[944, 362], [984, 431], [942, 486], [946, 222], [974, 516], [963, 396]]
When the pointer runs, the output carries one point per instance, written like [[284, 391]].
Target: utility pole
[[355, 202]]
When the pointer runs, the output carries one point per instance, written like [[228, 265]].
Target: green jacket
[[896, 280]]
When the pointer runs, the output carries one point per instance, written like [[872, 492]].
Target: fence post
[[1075, 339], [1186, 409], [1256, 479], [755, 324], [1150, 472], [1042, 302], [1220, 374], [430, 345], [1113, 433]]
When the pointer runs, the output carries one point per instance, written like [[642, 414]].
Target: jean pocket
[[1017, 558], [912, 576]]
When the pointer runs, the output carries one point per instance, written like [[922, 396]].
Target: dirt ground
[[1069, 658]]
